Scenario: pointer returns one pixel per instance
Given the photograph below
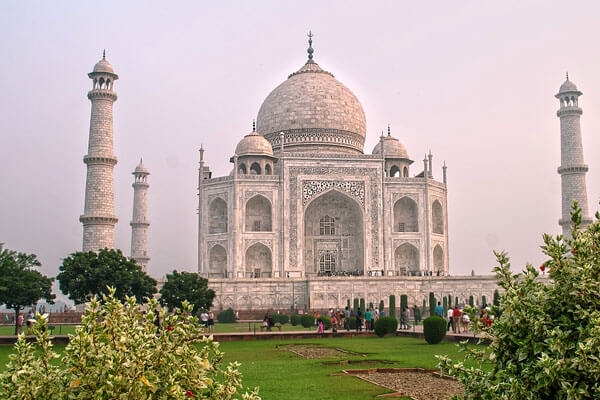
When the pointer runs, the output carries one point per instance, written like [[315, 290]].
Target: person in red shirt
[[456, 314]]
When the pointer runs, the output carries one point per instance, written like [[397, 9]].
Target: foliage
[[352, 322], [226, 317], [546, 342], [471, 302], [307, 320], [483, 301], [432, 303], [355, 306], [424, 309], [84, 275], [385, 325], [417, 315], [496, 298], [189, 286], [434, 329], [445, 305], [20, 284], [371, 306], [450, 301], [361, 308], [392, 306], [456, 303], [119, 352], [280, 318], [403, 302], [295, 319], [326, 322], [381, 307]]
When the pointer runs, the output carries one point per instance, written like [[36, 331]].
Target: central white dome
[[315, 112]]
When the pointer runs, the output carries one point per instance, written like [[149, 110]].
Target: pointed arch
[[242, 169], [217, 262], [255, 169], [258, 261], [395, 171], [258, 215], [268, 170], [437, 218], [217, 216], [438, 258], [405, 172], [406, 259], [406, 215]]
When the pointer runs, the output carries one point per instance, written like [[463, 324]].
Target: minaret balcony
[[571, 110], [573, 169], [106, 160], [102, 94]]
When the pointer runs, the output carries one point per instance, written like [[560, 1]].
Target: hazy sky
[[472, 81]]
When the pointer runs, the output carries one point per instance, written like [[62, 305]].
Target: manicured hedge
[[227, 316], [352, 323], [281, 318], [307, 320], [386, 325], [295, 320], [434, 329]]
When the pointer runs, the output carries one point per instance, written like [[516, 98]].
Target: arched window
[[438, 258], [406, 215], [405, 173], [255, 169], [242, 169], [406, 259], [395, 171], [327, 260], [217, 262], [258, 215], [327, 226], [258, 261], [437, 216], [217, 216], [268, 170]]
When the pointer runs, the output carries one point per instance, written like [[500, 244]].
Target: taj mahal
[[309, 218]]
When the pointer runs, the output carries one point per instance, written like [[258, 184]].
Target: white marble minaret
[[572, 168], [139, 222], [99, 217]]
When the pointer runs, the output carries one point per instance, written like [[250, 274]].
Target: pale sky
[[472, 81]]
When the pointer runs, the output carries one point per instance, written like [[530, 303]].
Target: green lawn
[[281, 374]]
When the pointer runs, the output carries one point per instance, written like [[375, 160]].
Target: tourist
[[456, 320], [211, 322], [439, 310], [20, 324], [319, 325], [265, 323], [204, 318], [368, 320], [450, 323], [465, 321], [358, 321], [334, 323], [405, 318]]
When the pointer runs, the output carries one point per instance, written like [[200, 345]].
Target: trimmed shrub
[[392, 306], [386, 325], [417, 315], [381, 306], [450, 301], [326, 322], [432, 303], [403, 302], [471, 302], [362, 306], [295, 319], [352, 323], [456, 302], [496, 298], [355, 308], [281, 318], [348, 303], [483, 301], [227, 316], [445, 305], [307, 320], [434, 329]]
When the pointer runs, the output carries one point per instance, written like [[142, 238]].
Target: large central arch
[[333, 235]]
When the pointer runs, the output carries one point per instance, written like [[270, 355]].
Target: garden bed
[[316, 351], [416, 383]]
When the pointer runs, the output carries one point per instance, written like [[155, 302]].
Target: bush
[[115, 343], [403, 302], [326, 322], [392, 306], [352, 323], [434, 329], [545, 344], [227, 316], [295, 319], [386, 325], [432, 303], [307, 320], [280, 318]]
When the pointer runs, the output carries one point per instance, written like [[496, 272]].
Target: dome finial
[[104, 54], [567, 75], [389, 131], [310, 49], [253, 125]]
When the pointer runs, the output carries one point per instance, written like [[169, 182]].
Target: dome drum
[[315, 139]]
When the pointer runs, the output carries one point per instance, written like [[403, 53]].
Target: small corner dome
[[392, 148], [141, 169], [104, 66], [254, 144], [568, 86]]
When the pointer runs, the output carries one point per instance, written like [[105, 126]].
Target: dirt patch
[[315, 351], [415, 383], [351, 362]]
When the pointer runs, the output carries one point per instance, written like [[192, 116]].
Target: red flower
[[170, 328], [574, 252], [188, 392], [543, 267], [520, 293]]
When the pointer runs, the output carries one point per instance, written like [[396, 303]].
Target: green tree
[[181, 286], [119, 353], [496, 298], [381, 306], [393, 306], [432, 304], [20, 284], [84, 275], [403, 302], [471, 301], [362, 306], [546, 342]]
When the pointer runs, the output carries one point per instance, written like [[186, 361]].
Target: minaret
[[99, 217], [572, 169], [139, 221]]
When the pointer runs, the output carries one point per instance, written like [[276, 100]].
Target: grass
[[281, 374]]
